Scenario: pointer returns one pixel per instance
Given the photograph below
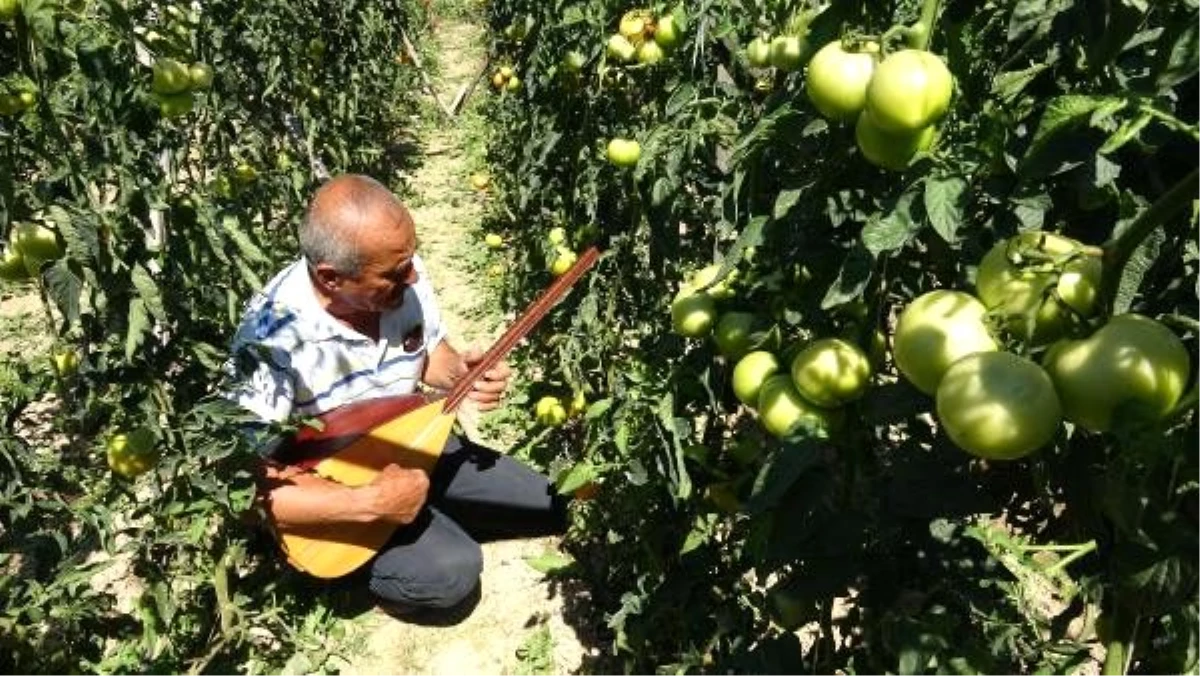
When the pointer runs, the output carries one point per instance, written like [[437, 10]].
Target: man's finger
[[490, 386]]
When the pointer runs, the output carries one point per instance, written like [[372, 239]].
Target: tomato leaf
[[1182, 59], [64, 288], [578, 476], [1139, 264], [852, 278], [139, 324], [785, 201], [945, 200], [148, 292], [781, 470], [1066, 113], [893, 230], [551, 563], [1034, 16], [1008, 86]]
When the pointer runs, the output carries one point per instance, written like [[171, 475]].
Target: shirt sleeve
[[260, 382], [435, 330]]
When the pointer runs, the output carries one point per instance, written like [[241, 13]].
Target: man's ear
[[327, 277]]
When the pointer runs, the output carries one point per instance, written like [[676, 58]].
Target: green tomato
[[11, 104], [66, 362], [934, 331], [998, 406], [170, 77], [624, 153], [9, 10], [732, 333], [513, 84], [574, 61], [786, 52], [693, 313], [200, 75], [837, 79], [650, 53], [316, 49], [758, 52], [563, 261], [1017, 290], [666, 34], [550, 412], [910, 90], [831, 372], [36, 243], [12, 266], [619, 48], [130, 454], [557, 236], [27, 98], [245, 173], [1132, 367], [493, 240], [750, 374], [782, 411], [175, 105], [889, 150], [632, 26]]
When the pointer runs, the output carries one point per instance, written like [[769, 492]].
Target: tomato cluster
[[895, 102], [1035, 289]]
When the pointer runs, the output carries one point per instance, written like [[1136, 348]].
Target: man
[[355, 318]]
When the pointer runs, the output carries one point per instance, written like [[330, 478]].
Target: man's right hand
[[397, 494]]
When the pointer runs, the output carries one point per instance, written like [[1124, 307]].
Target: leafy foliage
[[710, 541]]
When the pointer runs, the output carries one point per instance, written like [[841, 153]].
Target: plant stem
[[1119, 250], [1082, 551], [1055, 548], [929, 11]]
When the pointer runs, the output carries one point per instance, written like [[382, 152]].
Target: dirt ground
[[518, 626]]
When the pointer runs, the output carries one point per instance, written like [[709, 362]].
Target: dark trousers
[[475, 495]]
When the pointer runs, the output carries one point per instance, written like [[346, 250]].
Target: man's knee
[[441, 581]]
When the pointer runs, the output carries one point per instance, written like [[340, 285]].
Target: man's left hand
[[489, 389]]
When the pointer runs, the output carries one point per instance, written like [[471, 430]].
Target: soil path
[[517, 627]]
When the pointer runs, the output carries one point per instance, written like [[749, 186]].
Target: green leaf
[[139, 324], [1125, 133], [679, 472], [1139, 264], [64, 289], [551, 563], [852, 278], [1034, 16], [1183, 59], [684, 94], [780, 471], [148, 292], [892, 231], [945, 201], [1069, 112], [1008, 86], [784, 202], [234, 229], [750, 236], [1031, 210], [578, 476]]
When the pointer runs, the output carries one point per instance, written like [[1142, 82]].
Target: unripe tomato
[[750, 374], [9, 9], [782, 411], [36, 243], [316, 49], [936, 330], [12, 266], [831, 372], [549, 411], [493, 240], [513, 84], [1015, 290], [1132, 367], [666, 34], [786, 51], [632, 26], [557, 236], [506, 72], [619, 48], [563, 261], [175, 105], [624, 153], [889, 150], [130, 454], [245, 173], [27, 98], [910, 90], [732, 333], [498, 80], [649, 53], [573, 61], [200, 75], [758, 52], [837, 79], [170, 77], [480, 180], [66, 362], [693, 313], [998, 406], [10, 104]]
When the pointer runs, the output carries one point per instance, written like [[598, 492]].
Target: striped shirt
[[292, 358]]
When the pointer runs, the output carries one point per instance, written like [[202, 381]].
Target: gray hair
[[338, 211]]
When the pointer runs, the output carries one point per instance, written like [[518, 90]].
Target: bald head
[[341, 214]]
